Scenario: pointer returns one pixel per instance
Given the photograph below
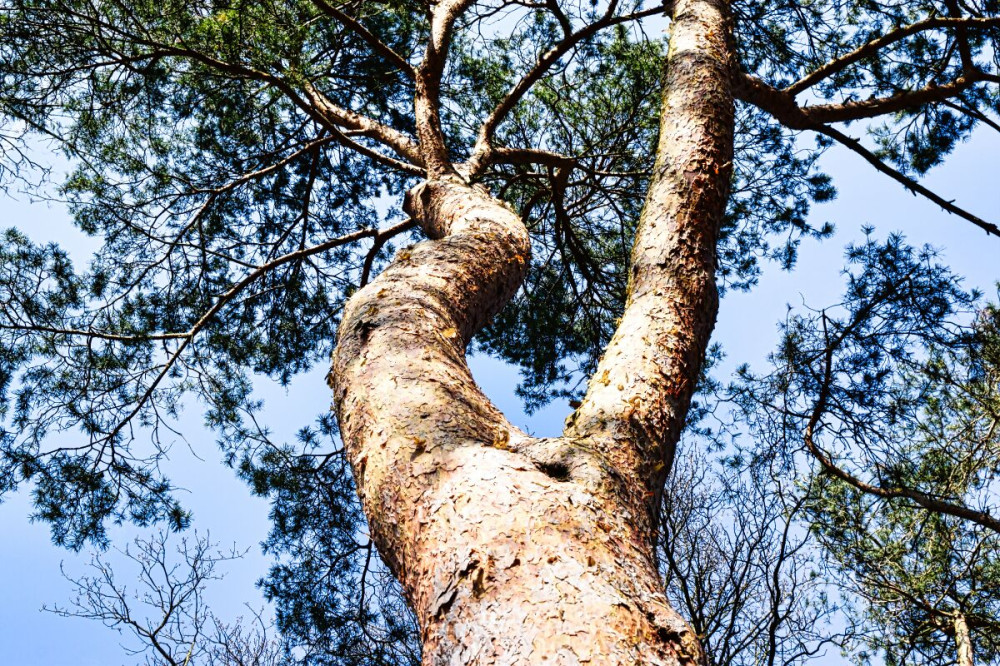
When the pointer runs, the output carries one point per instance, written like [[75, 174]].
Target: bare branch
[[906, 181], [165, 612]]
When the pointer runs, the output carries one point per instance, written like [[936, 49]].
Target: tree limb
[[783, 108], [880, 106], [374, 42], [872, 47], [482, 151], [923, 500], [426, 102], [906, 181]]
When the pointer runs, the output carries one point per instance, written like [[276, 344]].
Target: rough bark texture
[[637, 400], [511, 550], [515, 550]]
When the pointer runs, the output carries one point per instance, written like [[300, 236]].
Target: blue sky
[[223, 507]]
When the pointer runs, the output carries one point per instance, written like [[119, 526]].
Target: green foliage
[[918, 569], [335, 599], [192, 175], [582, 223], [894, 396], [604, 108], [203, 162]]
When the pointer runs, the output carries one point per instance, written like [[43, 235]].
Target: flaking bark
[[963, 641], [510, 550], [515, 550], [637, 401]]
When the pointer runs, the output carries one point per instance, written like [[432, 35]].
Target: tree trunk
[[963, 641], [511, 549]]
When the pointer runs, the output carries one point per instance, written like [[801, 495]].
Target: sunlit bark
[[516, 550]]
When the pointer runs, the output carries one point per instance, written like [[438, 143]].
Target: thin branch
[[923, 500], [380, 240], [223, 300], [377, 45], [481, 153], [531, 156], [906, 181], [839, 64], [96, 335], [783, 108], [973, 113]]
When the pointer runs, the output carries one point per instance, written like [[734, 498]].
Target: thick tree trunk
[[516, 550]]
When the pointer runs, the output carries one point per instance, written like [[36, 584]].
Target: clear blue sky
[[223, 507]]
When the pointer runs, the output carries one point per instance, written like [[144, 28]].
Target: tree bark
[[637, 401], [963, 641], [515, 550]]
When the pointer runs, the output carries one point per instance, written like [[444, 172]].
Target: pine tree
[[578, 191]]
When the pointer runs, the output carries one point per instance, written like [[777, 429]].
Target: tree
[[739, 565], [892, 395], [165, 612], [232, 156]]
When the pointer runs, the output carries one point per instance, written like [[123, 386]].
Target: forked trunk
[[511, 549]]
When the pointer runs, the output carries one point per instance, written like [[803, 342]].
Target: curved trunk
[[511, 549]]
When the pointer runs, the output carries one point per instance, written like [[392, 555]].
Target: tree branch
[[872, 47], [531, 156], [426, 102], [783, 108], [906, 181], [336, 118], [380, 241], [481, 155], [921, 499], [880, 106], [226, 298], [374, 42]]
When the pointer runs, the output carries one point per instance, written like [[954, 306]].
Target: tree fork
[[514, 550]]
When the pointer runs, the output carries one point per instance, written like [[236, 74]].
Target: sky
[[222, 506]]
